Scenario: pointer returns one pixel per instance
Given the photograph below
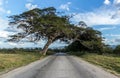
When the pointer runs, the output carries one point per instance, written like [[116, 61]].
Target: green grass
[[9, 61], [109, 62]]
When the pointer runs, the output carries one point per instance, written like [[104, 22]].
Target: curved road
[[61, 67]]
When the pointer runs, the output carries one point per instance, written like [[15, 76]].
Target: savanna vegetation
[[111, 63], [49, 25], [13, 58]]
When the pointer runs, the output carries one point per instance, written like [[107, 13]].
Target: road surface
[[59, 67]]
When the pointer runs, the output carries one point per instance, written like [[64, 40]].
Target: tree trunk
[[44, 51]]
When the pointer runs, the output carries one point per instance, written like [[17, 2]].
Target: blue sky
[[102, 15]]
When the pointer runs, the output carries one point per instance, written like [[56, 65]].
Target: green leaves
[[47, 24]]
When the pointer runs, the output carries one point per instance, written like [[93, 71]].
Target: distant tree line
[[77, 48], [15, 50]]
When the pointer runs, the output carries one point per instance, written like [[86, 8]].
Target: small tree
[[117, 49], [108, 49], [45, 24], [88, 40]]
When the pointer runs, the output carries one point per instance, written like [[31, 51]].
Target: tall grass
[[110, 62], [13, 60]]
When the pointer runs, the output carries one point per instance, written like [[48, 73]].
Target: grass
[[9, 61], [109, 62]]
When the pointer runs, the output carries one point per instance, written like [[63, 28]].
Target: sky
[[102, 15]]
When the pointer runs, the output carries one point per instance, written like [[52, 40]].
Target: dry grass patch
[[110, 62], [11, 61]]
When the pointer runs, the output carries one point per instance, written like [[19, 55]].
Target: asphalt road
[[59, 67]]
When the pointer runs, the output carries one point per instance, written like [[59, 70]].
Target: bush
[[108, 50], [117, 50]]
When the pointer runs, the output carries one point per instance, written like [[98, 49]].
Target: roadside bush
[[108, 50], [117, 50]]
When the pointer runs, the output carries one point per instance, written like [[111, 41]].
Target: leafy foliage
[[117, 49], [89, 40], [40, 23], [45, 24]]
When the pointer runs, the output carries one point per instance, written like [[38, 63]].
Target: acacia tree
[[88, 40], [40, 24]]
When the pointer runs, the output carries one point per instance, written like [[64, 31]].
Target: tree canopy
[[45, 24], [89, 40]]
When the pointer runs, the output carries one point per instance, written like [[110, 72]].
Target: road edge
[[27, 68]]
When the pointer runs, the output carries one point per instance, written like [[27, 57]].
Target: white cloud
[[110, 41], [113, 35], [3, 25], [1, 42], [12, 44], [106, 41], [105, 15], [65, 6], [9, 11], [117, 40], [30, 6], [94, 18], [107, 2], [116, 2], [100, 16], [106, 28], [113, 39], [2, 10], [4, 34]]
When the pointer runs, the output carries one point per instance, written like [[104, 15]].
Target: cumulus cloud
[[30, 6], [110, 41], [2, 10], [4, 34], [12, 44], [3, 23], [97, 18], [16, 44], [116, 2], [113, 35], [65, 6], [113, 39], [106, 28], [8, 11], [105, 15], [117, 40], [107, 2]]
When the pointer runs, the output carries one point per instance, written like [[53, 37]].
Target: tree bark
[[44, 51]]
